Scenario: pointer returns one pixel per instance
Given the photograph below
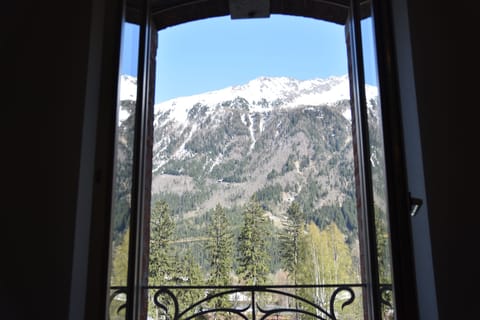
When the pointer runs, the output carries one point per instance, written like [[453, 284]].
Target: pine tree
[[187, 273], [292, 240], [220, 250], [292, 244], [162, 228], [254, 258], [220, 247]]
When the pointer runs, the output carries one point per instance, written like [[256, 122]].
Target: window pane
[[123, 170], [377, 162]]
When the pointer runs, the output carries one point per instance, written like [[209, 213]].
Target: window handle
[[415, 204]]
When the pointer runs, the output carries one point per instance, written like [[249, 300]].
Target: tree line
[[307, 254]]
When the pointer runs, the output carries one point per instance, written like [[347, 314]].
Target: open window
[[379, 197]]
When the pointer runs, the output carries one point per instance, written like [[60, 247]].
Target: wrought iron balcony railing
[[327, 302]]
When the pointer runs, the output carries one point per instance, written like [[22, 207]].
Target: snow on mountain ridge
[[128, 87], [283, 92], [277, 92], [127, 91]]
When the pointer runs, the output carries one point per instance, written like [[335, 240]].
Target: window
[[373, 199]]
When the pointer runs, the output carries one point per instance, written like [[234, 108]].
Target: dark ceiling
[[167, 13]]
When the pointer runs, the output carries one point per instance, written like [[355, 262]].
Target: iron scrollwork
[[120, 294], [166, 300], [386, 295]]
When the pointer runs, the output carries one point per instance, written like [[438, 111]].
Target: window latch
[[415, 204]]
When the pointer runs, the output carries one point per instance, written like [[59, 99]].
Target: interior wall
[[44, 46], [443, 64]]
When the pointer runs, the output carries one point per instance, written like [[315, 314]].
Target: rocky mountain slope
[[279, 139]]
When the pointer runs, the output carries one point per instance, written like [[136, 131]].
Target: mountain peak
[[265, 93], [262, 94]]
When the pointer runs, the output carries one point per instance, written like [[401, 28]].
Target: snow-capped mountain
[[280, 139], [256, 102]]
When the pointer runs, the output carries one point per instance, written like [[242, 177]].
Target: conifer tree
[[187, 273], [254, 258], [220, 250], [292, 240], [161, 235], [220, 247]]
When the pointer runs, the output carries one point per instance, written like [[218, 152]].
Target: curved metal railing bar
[[384, 288], [238, 312], [118, 291]]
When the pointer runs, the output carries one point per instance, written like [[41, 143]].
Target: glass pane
[[253, 180], [377, 162], [123, 170]]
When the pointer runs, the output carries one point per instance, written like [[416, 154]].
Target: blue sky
[[215, 53]]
